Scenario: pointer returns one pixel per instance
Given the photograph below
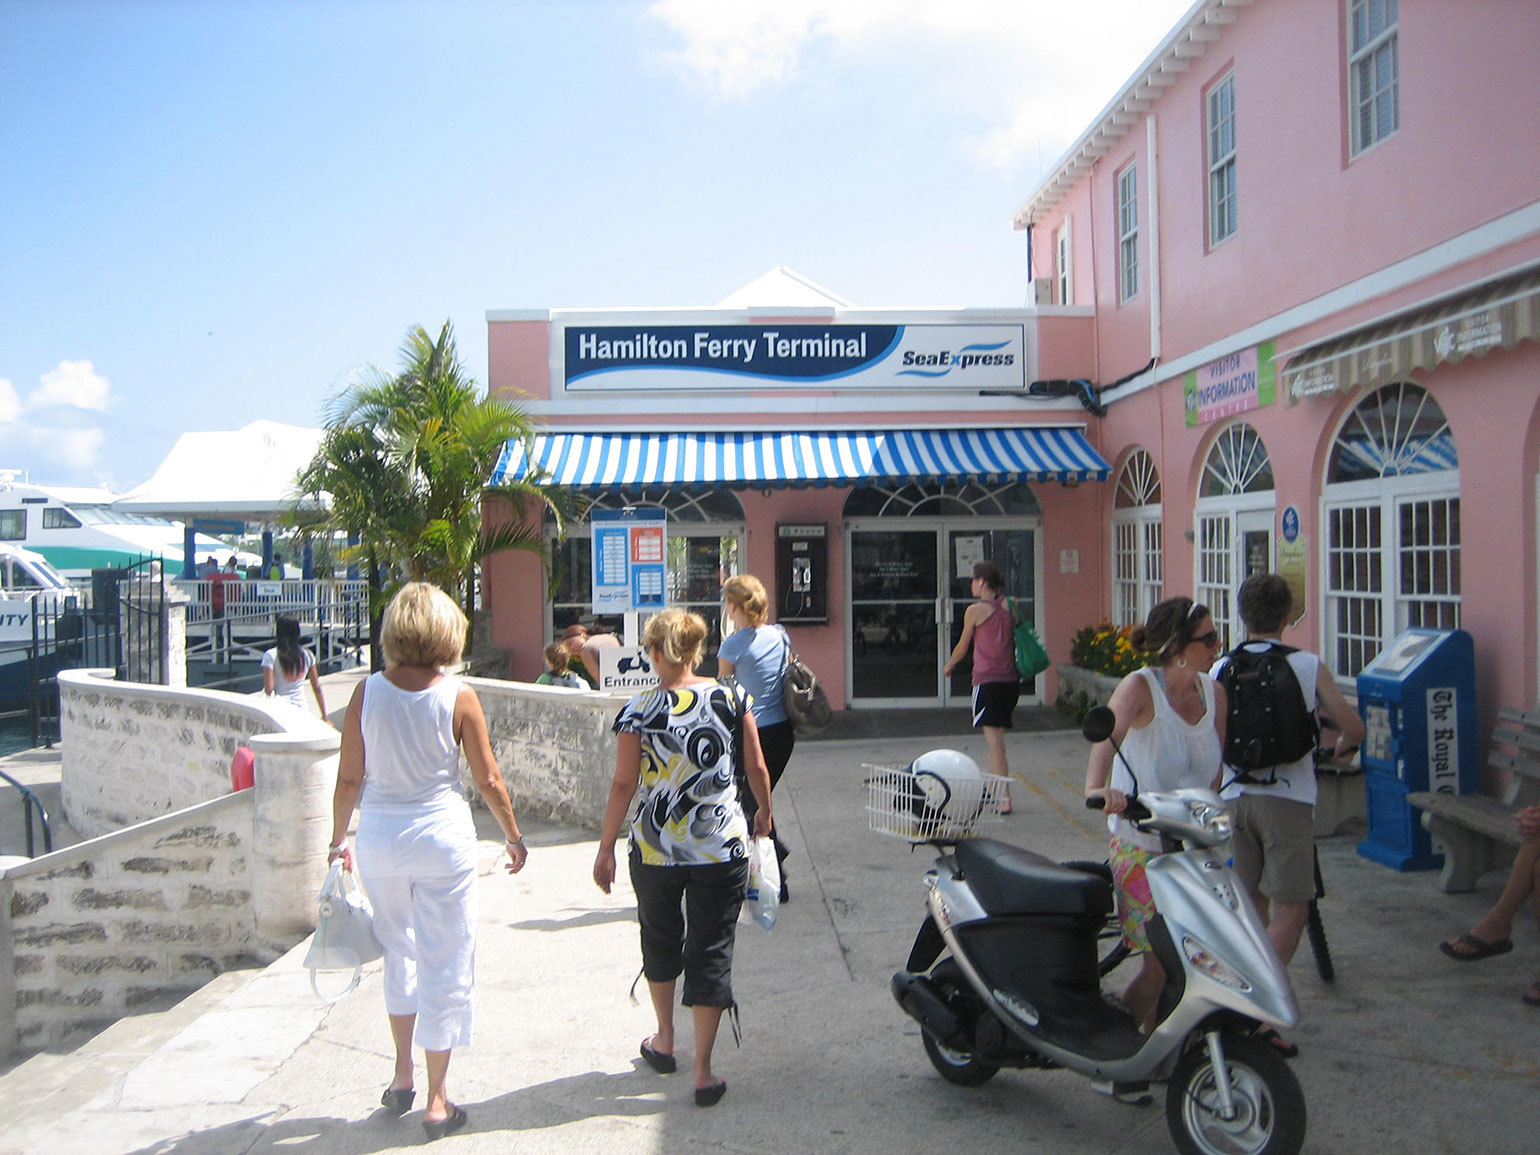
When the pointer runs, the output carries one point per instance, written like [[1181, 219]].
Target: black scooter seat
[[1009, 880]]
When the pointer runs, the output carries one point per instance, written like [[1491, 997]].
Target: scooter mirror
[[1098, 724]]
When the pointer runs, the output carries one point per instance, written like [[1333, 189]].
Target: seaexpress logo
[[965, 358]]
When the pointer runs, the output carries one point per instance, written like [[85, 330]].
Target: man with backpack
[[1274, 693]]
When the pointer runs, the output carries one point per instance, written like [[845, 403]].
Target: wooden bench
[[1477, 830]]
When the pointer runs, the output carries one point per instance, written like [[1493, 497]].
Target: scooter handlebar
[[1134, 811]]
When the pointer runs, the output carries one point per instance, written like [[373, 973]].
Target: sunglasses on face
[[1209, 639]]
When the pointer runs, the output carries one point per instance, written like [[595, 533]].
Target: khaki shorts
[[1274, 846]]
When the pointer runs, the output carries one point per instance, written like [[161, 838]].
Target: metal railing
[[239, 626], [32, 805]]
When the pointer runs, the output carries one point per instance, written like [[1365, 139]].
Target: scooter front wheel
[[960, 1067], [1269, 1114]]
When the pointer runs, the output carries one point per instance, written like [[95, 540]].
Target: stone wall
[[133, 752], [554, 747], [131, 921]]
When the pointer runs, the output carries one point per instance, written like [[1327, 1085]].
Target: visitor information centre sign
[[792, 356]]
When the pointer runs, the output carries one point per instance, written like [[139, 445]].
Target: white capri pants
[[418, 867]]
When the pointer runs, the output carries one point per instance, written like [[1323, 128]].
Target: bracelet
[[339, 848], [514, 841]]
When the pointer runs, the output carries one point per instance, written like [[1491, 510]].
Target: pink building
[[1296, 265]]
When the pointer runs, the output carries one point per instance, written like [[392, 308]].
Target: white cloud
[[10, 404], [1038, 69], [77, 448], [75, 384]]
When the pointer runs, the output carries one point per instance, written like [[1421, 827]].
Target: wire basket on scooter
[[930, 805]]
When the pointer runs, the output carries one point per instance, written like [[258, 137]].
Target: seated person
[[1490, 936], [556, 671]]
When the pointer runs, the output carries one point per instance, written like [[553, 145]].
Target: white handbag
[[344, 932]]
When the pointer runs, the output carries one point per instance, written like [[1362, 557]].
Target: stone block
[[197, 934], [203, 837], [151, 864], [105, 964], [53, 997], [203, 898], [25, 902], [147, 998], [89, 898], [84, 869], [31, 964], [69, 933]]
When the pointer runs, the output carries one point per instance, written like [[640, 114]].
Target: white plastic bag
[[344, 934], [762, 902]]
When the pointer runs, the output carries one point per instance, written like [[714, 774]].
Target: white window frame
[[1138, 541], [1064, 266], [1374, 72], [1217, 564], [1221, 135], [1128, 232]]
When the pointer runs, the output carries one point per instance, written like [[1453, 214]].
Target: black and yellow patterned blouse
[[689, 813]]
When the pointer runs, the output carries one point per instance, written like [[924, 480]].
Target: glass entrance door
[[893, 604], [909, 589]]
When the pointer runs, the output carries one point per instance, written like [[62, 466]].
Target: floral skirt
[[1135, 903]]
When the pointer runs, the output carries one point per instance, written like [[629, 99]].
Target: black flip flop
[[456, 1119], [660, 1062], [710, 1096], [1476, 949], [397, 1103], [1274, 1040]]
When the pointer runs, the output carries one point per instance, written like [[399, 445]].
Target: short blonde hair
[[422, 627], [556, 655], [747, 592], [678, 636]]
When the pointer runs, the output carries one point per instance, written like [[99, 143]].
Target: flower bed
[[1100, 657]]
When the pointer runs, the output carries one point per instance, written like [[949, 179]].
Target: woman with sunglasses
[[1170, 727]]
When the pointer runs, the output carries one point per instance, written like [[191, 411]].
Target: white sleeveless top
[[410, 754], [1168, 754]]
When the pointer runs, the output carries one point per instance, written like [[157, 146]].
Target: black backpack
[[1268, 724]]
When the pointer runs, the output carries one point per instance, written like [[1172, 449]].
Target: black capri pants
[[689, 917]]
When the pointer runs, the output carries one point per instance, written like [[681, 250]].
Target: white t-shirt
[[283, 688], [1296, 781], [1170, 753]]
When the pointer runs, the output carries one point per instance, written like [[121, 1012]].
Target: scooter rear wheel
[[960, 1067], [1269, 1105]]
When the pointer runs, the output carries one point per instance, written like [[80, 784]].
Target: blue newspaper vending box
[[1418, 701]]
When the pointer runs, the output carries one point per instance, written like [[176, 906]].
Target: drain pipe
[[1151, 147]]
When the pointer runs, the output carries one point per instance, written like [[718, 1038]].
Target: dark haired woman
[[1170, 726], [996, 681], [689, 838], [288, 665]]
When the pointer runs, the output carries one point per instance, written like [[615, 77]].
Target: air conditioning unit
[[1042, 291]]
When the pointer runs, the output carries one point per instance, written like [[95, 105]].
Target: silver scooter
[[1003, 973]]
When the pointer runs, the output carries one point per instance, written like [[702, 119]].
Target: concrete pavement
[[1406, 1052]]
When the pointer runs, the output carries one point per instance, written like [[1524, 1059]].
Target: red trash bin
[[243, 769]]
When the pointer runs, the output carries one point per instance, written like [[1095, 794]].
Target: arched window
[[1391, 508], [1008, 499], [1233, 522], [705, 535], [1137, 543]]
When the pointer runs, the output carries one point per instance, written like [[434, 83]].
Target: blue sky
[[214, 212]]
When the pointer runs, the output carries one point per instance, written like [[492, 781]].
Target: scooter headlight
[[1209, 963], [1215, 820]]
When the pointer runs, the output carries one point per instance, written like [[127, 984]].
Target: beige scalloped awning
[[1496, 316]]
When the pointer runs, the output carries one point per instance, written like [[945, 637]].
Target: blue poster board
[[629, 556]]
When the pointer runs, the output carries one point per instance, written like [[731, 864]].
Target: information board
[[628, 560]]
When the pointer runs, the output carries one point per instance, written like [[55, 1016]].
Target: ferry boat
[[27, 584], [78, 530]]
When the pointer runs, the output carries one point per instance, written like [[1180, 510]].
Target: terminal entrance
[[909, 588]]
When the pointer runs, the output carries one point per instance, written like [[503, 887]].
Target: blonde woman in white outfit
[[416, 843]]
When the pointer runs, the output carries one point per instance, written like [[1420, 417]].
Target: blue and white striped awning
[[809, 457]]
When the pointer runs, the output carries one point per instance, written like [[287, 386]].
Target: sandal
[[447, 1126], [710, 1096], [397, 1103], [659, 1061], [1274, 1040], [1469, 948]]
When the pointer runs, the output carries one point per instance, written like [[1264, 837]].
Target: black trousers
[[689, 917], [776, 741]]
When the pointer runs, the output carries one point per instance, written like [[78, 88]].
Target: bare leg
[[663, 1007], [1285, 927], [437, 1108], [994, 737], [1498, 923], [707, 1019], [1143, 993], [401, 1027]]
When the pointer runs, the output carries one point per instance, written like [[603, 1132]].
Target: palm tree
[[405, 460]]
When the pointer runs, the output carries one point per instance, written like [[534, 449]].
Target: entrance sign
[[628, 560], [625, 669]]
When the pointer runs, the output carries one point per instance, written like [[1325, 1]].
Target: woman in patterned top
[[689, 838]]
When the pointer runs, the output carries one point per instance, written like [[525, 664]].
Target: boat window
[[17, 577], [57, 517], [13, 525]]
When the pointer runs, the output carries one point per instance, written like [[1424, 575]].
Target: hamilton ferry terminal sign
[[790, 356]]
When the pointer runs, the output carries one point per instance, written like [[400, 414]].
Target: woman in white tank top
[[416, 842], [1170, 728]]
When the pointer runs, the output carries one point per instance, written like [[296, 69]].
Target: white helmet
[[948, 789]]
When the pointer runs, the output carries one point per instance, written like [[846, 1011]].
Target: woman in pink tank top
[[996, 682]]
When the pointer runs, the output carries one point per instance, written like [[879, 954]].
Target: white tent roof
[[783, 287], [241, 473]]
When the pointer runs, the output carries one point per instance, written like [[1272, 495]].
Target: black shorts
[[689, 917], [993, 703]]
